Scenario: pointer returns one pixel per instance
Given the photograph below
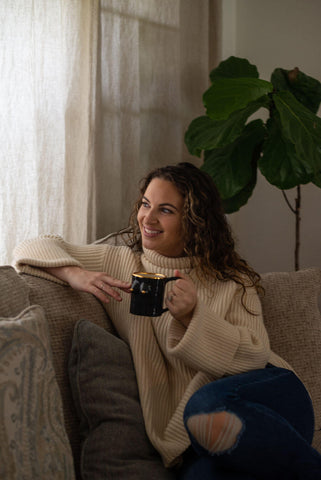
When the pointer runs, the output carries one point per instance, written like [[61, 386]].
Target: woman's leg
[[202, 467], [259, 423]]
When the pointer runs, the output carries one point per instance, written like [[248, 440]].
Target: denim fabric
[[275, 440]]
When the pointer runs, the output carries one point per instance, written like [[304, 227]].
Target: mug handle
[[169, 279]]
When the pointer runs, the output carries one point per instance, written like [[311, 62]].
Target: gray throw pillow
[[103, 383]]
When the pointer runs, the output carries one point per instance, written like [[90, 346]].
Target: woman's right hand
[[98, 283]]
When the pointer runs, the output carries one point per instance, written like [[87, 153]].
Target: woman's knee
[[216, 432]]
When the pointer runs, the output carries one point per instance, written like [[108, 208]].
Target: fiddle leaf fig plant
[[285, 145]]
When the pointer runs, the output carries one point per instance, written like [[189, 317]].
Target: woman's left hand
[[182, 299]]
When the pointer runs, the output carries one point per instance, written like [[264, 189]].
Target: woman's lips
[[149, 232]]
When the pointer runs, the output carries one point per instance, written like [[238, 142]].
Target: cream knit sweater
[[171, 361]]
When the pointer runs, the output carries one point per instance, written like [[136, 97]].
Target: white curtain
[[92, 95], [154, 63], [48, 65]]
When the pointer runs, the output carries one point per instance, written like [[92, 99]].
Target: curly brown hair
[[208, 238]]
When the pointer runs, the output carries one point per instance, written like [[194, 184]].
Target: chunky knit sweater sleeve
[[33, 255], [224, 337]]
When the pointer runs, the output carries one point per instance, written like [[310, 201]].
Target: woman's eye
[[145, 204], [166, 210]]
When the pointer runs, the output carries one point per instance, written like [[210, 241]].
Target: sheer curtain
[[48, 64], [92, 95], [154, 64]]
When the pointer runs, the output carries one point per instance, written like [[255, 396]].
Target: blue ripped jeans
[[277, 429]]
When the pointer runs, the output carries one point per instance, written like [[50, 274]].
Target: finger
[[170, 304], [127, 289], [180, 287], [183, 284], [170, 297], [178, 273], [115, 282], [97, 292], [177, 302], [182, 278], [109, 291], [108, 284]]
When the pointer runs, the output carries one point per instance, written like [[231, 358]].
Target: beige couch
[[96, 366]]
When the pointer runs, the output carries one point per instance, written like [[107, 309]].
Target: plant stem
[[287, 201], [296, 211], [297, 226]]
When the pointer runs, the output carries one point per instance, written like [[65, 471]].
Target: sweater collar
[[154, 260]]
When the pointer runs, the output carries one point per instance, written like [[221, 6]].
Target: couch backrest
[[293, 321]]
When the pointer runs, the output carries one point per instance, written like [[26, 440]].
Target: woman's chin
[[149, 245]]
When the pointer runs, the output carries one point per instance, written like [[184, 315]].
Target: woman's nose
[[151, 216]]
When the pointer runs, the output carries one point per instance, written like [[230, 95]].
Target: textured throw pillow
[[33, 441], [103, 381]]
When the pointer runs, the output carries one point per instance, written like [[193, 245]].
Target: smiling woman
[[206, 374]]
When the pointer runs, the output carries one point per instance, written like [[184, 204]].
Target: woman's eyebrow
[[162, 204]]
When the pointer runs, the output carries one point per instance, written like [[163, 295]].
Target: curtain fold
[[154, 64], [81, 77], [48, 63], [92, 95]]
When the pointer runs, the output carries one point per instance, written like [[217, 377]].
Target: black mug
[[147, 293]]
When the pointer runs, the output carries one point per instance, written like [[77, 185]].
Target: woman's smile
[[149, 232]]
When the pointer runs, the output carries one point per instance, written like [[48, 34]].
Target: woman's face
[[160, 218]]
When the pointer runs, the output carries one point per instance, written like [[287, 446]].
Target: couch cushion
[[106, 397], [33, 440], [293, 321]]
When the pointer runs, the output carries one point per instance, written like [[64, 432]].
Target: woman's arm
[[97, 283], [79, 266], [223, 338]]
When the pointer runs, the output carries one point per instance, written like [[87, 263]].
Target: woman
[[205, 371]]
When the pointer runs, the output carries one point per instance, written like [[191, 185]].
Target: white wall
[[271, 34]]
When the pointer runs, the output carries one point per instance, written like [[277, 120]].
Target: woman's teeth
[[151, 232]]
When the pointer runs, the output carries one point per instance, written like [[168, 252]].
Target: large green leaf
[[231, 167], [226, 95], [204, 133], [199, 134], [279, 163], [234, 67], [302, 128], [233, 204], [306, 90]]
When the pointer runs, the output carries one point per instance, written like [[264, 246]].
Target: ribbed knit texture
[[171, 362]]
